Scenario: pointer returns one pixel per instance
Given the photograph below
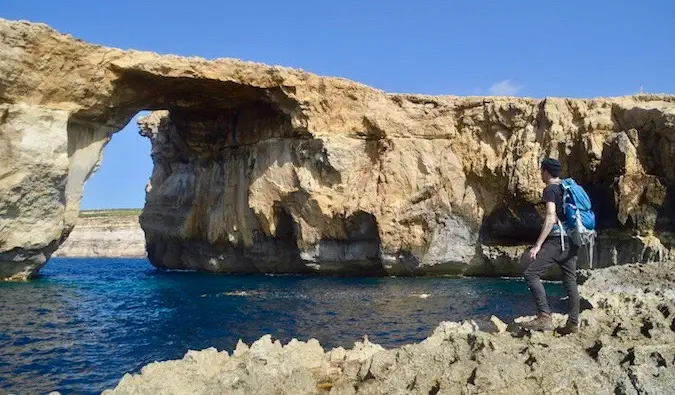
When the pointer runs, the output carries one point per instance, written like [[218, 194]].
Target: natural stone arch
[[428, 171], [92, 93]]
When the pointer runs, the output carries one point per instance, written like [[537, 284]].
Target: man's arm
[[549, 221]]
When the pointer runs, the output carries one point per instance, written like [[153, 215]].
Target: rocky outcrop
[[261, 168], [105, 233], [423, 186], [626, 346]]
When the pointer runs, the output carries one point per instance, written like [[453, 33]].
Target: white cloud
[[505, 88]]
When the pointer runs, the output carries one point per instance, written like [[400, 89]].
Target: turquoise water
[[85, 322]]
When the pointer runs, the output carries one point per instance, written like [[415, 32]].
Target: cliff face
[[111, 233], [402, 184], [261, 168]]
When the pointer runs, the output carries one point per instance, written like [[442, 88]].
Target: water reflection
[[85, 323]]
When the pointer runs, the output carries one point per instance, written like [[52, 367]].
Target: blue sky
[[524, 48]]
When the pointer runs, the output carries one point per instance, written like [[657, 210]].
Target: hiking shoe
[[543, 322], [568, 329]]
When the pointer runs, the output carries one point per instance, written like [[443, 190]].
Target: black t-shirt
[[554, 193]]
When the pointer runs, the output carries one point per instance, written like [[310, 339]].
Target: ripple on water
[[85, 322]]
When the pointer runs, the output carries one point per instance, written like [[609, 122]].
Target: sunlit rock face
[[105, 234], [270, 169]]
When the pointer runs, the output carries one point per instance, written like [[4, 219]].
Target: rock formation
[[261, 168], [626, 346], [110, 233]]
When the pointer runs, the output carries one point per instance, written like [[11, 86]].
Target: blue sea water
[[83, 323]]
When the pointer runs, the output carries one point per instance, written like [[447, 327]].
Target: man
[[551, 248]]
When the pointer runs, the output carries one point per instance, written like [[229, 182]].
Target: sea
[[83, 323]]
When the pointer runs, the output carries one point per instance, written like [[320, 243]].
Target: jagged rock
[[268, 169], [500, 325], [626, 346]]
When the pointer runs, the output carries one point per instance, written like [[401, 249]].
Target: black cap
[[552, 166]]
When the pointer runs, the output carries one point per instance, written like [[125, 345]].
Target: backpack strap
[[566, 184], [590, 252]]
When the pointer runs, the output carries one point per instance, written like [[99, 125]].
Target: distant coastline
[[111, 212], [105, 233]]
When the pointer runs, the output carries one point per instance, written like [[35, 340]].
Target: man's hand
[[550, 219]]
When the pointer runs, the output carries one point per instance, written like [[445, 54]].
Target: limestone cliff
[[105, 233], [261, 168], [422, 185]]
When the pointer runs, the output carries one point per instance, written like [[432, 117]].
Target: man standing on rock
[[553, 247]]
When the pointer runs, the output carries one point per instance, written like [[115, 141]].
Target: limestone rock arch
[[265, 168]]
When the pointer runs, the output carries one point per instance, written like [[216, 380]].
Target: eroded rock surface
[[626, 346], [424, 185], [264, 168]]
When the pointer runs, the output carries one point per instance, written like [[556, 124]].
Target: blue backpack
[[579, 216]]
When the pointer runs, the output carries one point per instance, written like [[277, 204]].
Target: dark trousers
[[551, 253]]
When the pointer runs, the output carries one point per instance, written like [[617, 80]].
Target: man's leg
[[568, 266], [536, 269]]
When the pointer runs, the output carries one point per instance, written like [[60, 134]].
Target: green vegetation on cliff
[[115, 212]]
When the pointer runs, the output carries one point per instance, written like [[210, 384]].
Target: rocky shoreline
[[105, 234], [626, 346]]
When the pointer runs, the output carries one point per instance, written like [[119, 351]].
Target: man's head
[[550, 168]]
